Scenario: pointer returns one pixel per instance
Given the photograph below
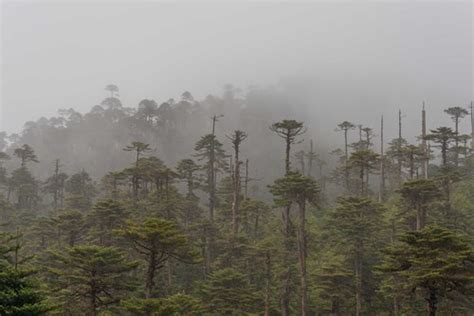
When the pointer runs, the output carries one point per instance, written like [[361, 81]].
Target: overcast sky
[[365, 58]]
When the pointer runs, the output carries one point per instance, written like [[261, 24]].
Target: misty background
[[337, 61]]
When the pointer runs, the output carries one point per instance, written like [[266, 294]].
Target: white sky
[[364, 59]]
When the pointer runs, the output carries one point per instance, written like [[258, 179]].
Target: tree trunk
[[358, 277], [236, 195], [432, 303], [268, 284], [285, 297], [302, 251], [150, 276]]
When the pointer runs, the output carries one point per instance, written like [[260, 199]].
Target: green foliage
[[92, 277], [434, 260], [227, 292], [175, 305]]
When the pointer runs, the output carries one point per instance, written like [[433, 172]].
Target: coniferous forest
[[154, 210]]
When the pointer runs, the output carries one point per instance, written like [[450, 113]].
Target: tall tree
[[156, 241], [345, 127], [356, 223], [456, 113], [26, 154], [296, 188], [139, 148], [289, 130], [236, 138]]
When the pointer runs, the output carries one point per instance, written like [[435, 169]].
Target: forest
[[154, 209]]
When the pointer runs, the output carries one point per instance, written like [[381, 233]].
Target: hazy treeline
[[228, 206]]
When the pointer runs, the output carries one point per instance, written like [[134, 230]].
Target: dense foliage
[[124, 211]]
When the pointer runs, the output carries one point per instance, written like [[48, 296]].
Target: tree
[[106, 216], [93, 277], [26, 154], [139, 148], [289, 130], [55, 185], [80, 191], [186, 170], [156, 241], [364, 161], [356, 223], [211, 151], [346, 127], [443, 137], [113, 89], [456, 114], [71, 226], [175, 305], [19, 294], [227, 292], [237, 138], [417, 195], [296, 188], [434, 260]]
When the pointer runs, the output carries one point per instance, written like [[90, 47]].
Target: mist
[[359, 60]]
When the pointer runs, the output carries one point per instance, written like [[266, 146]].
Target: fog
[[341, 60]]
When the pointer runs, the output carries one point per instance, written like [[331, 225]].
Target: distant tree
[[26, 154], [346, 127], [456, 114], [442, 137], [80, 191], [113, 89], [139, 148], [236, 138], [210, 150]]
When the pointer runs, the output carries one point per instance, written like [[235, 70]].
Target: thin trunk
[[268, 284], [236, 193], [246, 177], [150, 276], [472, 126], [358, 279], [382, 164], [432, 303], [302, 252], [456, 141], [420, 218], [424, 165], [346, 160], [311, 158], [285, 298]]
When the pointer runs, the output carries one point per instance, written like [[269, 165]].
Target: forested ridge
[[153, 210]]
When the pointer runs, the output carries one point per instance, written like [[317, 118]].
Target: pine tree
[[91, 278], [227, 292], [435, 261], [356, 222], [298, 189], [157, 241]]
